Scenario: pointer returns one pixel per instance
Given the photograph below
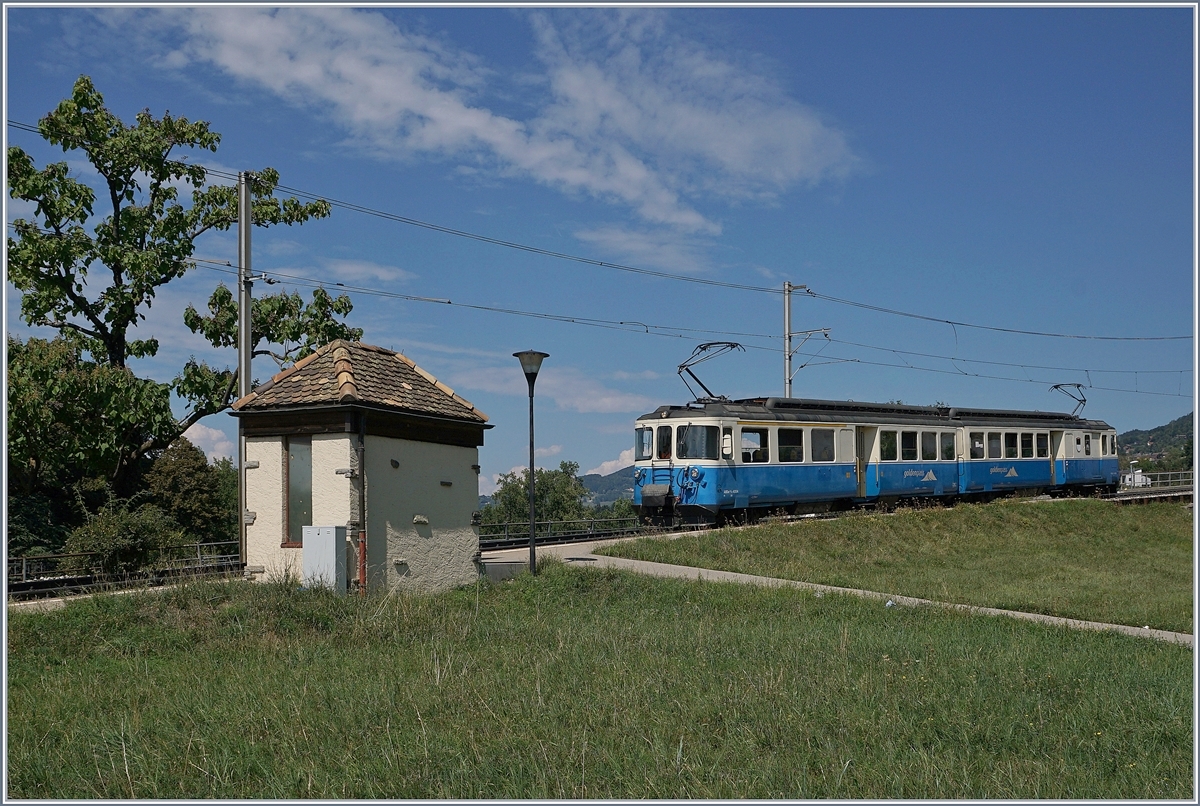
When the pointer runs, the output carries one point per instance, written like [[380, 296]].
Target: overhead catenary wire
[[407, 220], [684, 333], [642, 328]]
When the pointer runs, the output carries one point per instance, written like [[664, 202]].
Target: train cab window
[[908, 446], [929, 452], [1010, 446], [643, 443], [1043, 445], [948, 452], [696, 441], [754, 445], [726, 443], [1087, 444], [1026, 446], [887, 446], [791, 444], [994, 451], [664, 442], [976, 438], [822, 444], [1104, 444]]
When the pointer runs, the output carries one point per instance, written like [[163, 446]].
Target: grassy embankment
[[1083, 559], [582, 682]]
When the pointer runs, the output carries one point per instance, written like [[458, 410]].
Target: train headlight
[[695, 474], [638, 474]]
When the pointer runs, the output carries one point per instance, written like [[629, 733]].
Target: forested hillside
[[1168, 447]]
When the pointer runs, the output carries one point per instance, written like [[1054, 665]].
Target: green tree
[[558, 495], [127, 537], [188, 489], [94, 287]]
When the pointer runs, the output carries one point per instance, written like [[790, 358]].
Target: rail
[[513, 534], [57, 574]]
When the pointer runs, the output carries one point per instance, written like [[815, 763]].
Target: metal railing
[[516, 533], [57, 574], [1138, 480]]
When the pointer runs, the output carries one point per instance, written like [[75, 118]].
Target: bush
[[125, 538]]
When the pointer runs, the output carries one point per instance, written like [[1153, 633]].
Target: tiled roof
[[347, 372]]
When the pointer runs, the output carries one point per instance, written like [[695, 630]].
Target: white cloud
[[613, 465], [213, 442], [553, 450], [365, 270], [633, 112], [644, 375], [660, 249]]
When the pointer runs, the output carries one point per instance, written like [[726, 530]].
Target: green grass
[[582, 683], [1084, 559]]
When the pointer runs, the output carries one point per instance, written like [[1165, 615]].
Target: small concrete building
[[361, 437]]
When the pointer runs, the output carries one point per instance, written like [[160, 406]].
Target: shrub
[[125, 537]]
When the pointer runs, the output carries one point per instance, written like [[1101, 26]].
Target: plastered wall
[[264, 497], [436, 483]]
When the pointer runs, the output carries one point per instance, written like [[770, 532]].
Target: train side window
[[664, 442], [1026, 446], [976, 444], [754, 445], [643, 443], [1087, 444], [948, 452], [1104, 444], [726, 443], [791, 444], [929, 452], [908, 446], [1043, 445], [887, 446], [994, 451], [1010, 446], [822, 444]]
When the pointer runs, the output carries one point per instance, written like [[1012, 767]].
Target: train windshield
[[697, 441], [643, 443]]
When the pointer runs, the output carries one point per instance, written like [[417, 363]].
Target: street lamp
[[531, 362]]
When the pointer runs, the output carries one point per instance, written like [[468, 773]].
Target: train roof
[[792, 409]]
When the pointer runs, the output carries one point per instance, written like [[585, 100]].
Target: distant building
[[354, 435]]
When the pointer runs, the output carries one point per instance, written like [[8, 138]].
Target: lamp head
[[531, 362]]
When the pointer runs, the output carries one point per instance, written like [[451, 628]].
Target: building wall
[[334, 497], [265, 498], [429, 556]]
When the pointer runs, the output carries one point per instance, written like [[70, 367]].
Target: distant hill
[[613, 487], [1173, 435], [1168, 447]]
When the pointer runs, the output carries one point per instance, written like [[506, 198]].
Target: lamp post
[[531, 362]]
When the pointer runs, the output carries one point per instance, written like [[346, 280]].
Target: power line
[[660, 330], [661, 274]]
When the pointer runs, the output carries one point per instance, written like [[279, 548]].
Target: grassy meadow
[[1085, 559], [582, 683]]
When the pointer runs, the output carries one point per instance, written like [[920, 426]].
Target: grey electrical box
[[324, 550]]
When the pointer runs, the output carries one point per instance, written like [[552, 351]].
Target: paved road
[[510, 562]]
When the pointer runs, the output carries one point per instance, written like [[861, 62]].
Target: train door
[[1055, 446], [863, 440]]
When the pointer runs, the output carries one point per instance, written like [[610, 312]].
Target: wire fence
[[1137, 480], [516, 533], [59, 574]]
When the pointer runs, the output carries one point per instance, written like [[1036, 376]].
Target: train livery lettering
[[1009, 472]]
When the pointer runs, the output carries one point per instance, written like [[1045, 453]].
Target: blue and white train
[[723, 460]]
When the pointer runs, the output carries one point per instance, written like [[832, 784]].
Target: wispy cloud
[[625, 459], [644, 375], [569, 388], [365, 270], [631, 111], [553, 450], [660, 249]]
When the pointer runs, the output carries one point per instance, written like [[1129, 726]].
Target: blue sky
[[1018, 168]]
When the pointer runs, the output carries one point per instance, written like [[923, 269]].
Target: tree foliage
[[188, 489], [558, 495], [91, 263], [127, 536]]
